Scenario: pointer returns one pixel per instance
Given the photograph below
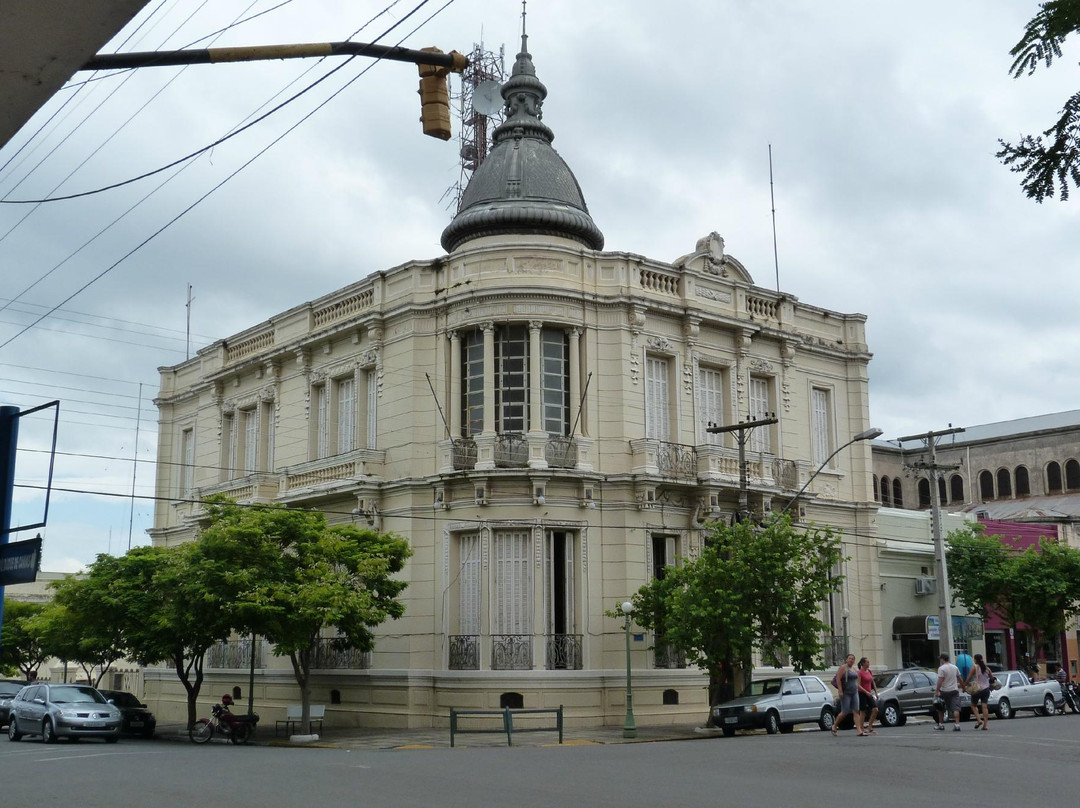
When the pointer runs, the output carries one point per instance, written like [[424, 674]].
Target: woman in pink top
[[867, 696]]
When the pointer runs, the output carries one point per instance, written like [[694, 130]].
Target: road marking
[[95, 755], [978, 755]]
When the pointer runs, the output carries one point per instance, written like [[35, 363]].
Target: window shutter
[[657, 405], [761, 437], [469, 585], [345, 419], [711, 402], [819, 428]]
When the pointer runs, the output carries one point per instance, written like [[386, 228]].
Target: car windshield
[[121, 699], [763, 687], [883, 680], [73, 694]]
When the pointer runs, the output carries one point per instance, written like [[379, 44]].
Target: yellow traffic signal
[[434, 99]]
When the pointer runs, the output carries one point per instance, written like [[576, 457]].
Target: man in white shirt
[[948, 690]]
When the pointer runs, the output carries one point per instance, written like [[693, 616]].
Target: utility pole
[[742, 431], [932, 467]]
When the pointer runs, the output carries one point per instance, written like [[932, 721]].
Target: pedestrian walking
[[948, 690], [984, 679], [964, 662], [868, 701], [846, 682]]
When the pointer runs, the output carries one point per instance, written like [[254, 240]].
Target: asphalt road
[[1022, 762]]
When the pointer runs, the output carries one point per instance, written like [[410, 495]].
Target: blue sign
[[933, 628], [20, 561]]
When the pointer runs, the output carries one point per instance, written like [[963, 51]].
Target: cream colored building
[[530, 412]]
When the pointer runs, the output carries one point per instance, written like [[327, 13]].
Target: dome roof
[[523, 186]]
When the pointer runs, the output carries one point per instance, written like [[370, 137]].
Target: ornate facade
[[530, 411]]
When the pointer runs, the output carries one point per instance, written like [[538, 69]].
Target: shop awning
[[964, 628], [915, 624]]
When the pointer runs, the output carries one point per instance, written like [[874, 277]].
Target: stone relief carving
[[761, 365], [659, 344], [713, 294], [635, 358]]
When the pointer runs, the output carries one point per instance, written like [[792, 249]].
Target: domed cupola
[[523, 186]]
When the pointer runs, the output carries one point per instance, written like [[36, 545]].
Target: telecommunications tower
[[479, 106]]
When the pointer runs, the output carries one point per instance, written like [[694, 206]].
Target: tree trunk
[[301, 663]]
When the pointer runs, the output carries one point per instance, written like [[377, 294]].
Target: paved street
[[1019, 761]]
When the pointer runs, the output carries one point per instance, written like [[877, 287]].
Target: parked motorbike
[[1071, 692], [237, 728]]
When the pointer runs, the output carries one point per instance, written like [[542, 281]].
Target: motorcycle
[[1071, 691], [237, 728]]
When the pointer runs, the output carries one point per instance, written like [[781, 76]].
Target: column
[[453, 406], [489, 378], [575, 381], [536, 407]]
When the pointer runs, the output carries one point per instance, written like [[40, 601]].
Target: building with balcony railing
[[530, 412]]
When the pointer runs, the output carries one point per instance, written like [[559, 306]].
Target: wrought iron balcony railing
[[233, 654], [511, 451], [511, 652], [676, 460], [464, 652], [836, 649], [329, 656], [463, 452], [563, 652], [561, 452]]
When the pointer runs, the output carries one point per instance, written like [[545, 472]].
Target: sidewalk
[[439, 738]]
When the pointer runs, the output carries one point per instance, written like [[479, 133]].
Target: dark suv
[[138, 720], [910, 692]]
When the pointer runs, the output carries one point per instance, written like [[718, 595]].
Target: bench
[[293, 715], [507, 716]]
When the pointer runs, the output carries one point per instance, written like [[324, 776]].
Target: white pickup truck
[[1018, 692]]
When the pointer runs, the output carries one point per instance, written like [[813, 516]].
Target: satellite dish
[[487, 97]]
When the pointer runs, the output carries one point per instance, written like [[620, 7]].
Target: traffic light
[[434, 99]]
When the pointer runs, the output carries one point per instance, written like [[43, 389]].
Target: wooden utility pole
[[742, 433]]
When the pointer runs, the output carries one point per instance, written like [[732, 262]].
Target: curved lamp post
[[869, 434], [629, 727]]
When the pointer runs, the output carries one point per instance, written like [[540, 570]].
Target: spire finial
[[524, 36]]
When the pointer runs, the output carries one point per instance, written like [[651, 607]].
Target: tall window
[[665, 553], [472, 383], [986, 486], [512, 382], [512, 596], [268, 435], [942, 496], [346, 413], [187, 461], [710, 389], [897, 493], [924, 493], [761, 437], [886, 492], [820, 417], [1004, 481], [1023, 483], [1072, 475], [469, 583], [559, 583], [555, 381], [320, 406], [956, 489], [657, 401], [228, 446], [249, 437], [371, 398], [1053, 477]]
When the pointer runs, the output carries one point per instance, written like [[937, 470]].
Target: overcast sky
[[883, 120]]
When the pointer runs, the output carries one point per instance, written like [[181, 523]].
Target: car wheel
[[1004, 709], [772, 722], [13, 730], [825, 723], [728, 731], [1049, 705], [47, 733], [890, 714]]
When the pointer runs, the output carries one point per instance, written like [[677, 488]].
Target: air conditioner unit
[[925, 586]]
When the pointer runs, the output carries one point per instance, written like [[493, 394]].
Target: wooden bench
[[507, 716], [293, 714]]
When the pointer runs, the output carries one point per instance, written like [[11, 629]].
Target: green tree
[[80, 626], [18, 646], [1051, 159], [1039, 586], [751, 587], [299, 579]]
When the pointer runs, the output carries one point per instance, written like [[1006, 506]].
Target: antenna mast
[[772, 201], [476, 127]]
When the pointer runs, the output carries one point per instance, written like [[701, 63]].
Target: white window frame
[[658, 397], [711, 384], [569, 563], [187, 461], [820, 425], [760, 408], [511, 585], [345, 413], [248, 434], [470, 583]]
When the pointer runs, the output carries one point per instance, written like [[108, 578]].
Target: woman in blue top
[[847, 684]]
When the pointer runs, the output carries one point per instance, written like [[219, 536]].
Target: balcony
[[673, 460], [463, 454], [667, 657], [464, 652], [511, 451], [330, 656], [328, 473], [561, 452], [233, 654], [511, 652], [563, 652]]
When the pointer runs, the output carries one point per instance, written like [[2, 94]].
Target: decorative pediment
[[709, 257]]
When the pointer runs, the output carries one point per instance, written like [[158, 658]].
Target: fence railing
[[563, 652], [511, 652], [329, 656], [464, 652], [511, 451], [676, 460], [561, 452], [233, 654], [463, 453]]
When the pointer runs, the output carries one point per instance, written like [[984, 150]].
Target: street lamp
[[869, 434], [629, 727]]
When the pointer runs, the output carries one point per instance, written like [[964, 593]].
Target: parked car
[[137, 719], [63, 711], [777, 705], [9, 688], [910, 691], [1018, 692]]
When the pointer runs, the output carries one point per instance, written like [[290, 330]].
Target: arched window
[[897, 493], [942, 497], [924, 493], [1004, 481], [1072, 475], [1023, 484], [956, 489], [886, 499], [986, 486], [877, 496], [1053, 477]]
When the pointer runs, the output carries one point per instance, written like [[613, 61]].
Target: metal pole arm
[[873, 432]]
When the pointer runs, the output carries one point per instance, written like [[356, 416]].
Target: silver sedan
[[63, 711]]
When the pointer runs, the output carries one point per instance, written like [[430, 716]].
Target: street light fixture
[[629, 727], [868, 434]]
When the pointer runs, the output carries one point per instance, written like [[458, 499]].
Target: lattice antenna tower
[[475, 127]]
